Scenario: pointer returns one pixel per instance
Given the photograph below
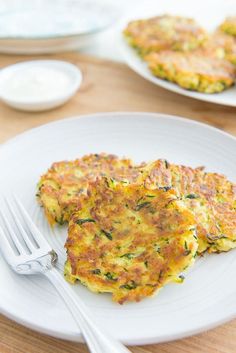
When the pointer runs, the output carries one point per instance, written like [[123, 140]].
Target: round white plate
[[204, 300], [47, 27], [208, 19]]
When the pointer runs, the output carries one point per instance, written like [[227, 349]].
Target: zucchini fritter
[[210, 196], [229, 25], [129, 241], [164, 33], [196, 71], [222, 46], [60, 188]]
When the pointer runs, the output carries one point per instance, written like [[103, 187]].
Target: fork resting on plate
[[27, 252]]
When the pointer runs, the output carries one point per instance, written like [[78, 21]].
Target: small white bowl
[[12, 92]]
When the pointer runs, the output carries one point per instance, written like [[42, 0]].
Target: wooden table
[[108, 86]]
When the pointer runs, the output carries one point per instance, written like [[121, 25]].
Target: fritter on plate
[[210, 196], [196, 71], [164, 33], [221, 45], [229, 25], [61, 187], [128, 240]]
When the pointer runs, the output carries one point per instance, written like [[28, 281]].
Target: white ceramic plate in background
[[204, 300], [208, 13], [47, 27]]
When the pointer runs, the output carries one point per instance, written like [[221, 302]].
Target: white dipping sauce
[[39, 84], [36, 83]]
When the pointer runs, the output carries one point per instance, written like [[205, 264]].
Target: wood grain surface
[[108, 86]]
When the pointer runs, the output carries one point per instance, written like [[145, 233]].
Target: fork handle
[[98, 341]]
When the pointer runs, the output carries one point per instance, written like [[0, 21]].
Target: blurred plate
[[48, 28], [208, 19], [207, 296]]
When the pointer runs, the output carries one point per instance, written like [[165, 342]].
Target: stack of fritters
[[133, 228], [177, 49]]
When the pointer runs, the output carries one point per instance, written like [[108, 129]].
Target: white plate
[[47, 27], [208, 19], [204, 300]]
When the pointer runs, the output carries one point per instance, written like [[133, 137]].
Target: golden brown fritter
[[221, 45], [210, 196], [60, 188], [164, 33], [197, 71], [229, 25], [129, 241]]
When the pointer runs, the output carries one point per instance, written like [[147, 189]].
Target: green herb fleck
[[152, 210], [142, 205], [107, 234], [125, 182], [167, 164], [187, 251], [212, 237], [160, 275], [60, 221], [96, 271], [191, 196], [130, 285], [40, 187], [128, 255], [107, 183], [157, 248], [165, 188], [85, 220], [110, 276]]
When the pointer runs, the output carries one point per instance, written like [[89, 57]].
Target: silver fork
[[27, 252]]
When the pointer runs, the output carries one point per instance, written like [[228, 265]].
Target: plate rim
[[129, 342], [132, 341], [122, 114]]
